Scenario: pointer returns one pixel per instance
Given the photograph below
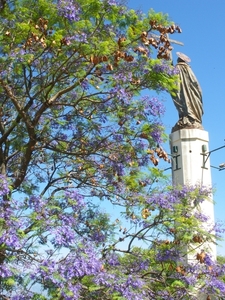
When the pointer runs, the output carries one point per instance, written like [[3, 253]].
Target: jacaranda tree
[[80, 134]]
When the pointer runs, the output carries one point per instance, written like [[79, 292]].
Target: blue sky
[[203, 24]]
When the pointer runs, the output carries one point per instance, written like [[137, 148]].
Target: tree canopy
[[80, 133]]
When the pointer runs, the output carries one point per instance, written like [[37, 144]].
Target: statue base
[[187, 123]]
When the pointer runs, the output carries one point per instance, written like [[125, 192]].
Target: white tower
[[191, 166], [189, 147]]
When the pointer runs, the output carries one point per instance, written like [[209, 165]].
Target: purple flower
[[4, 187], [75, 199], [129, 287], [82, 261], [164, 67], [74, 289], [85, 84], [113, 259], [168, 255], [10, 238], [112, 2], [215, 284], [5, 271], [156, 133], [208, 260], [69, 9], [63, 236], [36, 203], [98, 237], [155, 107], [201, 217], [21, 296], [177, 195], [121, 93], [81, 37], [123, 77]]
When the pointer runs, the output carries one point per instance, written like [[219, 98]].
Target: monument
[[189, 143], [188, 97]]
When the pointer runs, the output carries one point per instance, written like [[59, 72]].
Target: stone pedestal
[[191, 166]]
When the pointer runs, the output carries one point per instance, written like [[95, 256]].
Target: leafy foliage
[[77, 127]]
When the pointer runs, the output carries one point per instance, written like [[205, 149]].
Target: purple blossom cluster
[[164, 67], [155, 106], [127, 286], [79, 37], [164, 200], [156, 133], [10, 238], [75, 199], [85, 262], [201, 217], [112, 2], [113, 259], [82, 261], [168, 255], [187, 195], [85, 84], [10, 235], [218, 229], [191, 279], [121, 93], [4, 185], [139, 264], [69, 9], [98, 236], [5, 271], [123, 77], [91, 144], [36, 203], [63, 235], [18, 56], [118, 3], [208, 261], [21, 295], [214, 285]]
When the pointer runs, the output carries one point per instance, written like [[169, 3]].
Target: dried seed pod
[[144, 34], [143, 135], [145, 213], [95, 60], [201, 257], [104, 58], [121, 40], [178, 29]]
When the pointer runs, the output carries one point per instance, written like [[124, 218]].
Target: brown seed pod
[[144, 34], [104, 58], [143, 135], [95, 60], [201, 257], [145, 213], [178, 29]]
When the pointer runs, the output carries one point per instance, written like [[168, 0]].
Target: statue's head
[[182, 57]]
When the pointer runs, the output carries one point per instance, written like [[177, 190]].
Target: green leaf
[[178, 284], [10, 282]]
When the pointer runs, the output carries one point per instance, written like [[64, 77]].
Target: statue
[[188, 97]]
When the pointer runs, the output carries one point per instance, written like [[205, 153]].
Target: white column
[[191, 166]]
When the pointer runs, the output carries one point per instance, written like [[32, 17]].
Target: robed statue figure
[[188, 97]]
